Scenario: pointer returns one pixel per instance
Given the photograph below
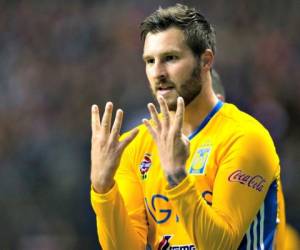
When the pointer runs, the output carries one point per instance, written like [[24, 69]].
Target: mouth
[[163, 90]]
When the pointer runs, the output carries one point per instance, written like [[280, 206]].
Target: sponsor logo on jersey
[[159, 208], [165, 245], [145, 165], [199, 161], [255, 182]]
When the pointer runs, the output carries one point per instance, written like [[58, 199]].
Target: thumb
[[186, 143], [128, 139], [185, 140]]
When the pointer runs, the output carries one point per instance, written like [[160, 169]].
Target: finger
[[123, 144], [165, 112], [154, 115], [106, 120], [115, 131], [150, 128], [185, 140], [179, 115], [95, 119]]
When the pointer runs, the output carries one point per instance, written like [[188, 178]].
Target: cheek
[[182, 71], [180, 76], [150, 80], [148, 73], [150, 77]]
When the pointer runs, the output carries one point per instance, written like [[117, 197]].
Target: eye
[[170, 58], [149, 61]]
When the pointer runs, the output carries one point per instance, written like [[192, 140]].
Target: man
[[290, 237], [200, 175], [285, 239]]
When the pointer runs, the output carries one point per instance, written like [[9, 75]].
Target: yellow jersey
[[230, 199], [292, 239]]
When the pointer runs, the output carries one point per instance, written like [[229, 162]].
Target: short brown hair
[[199, 33]]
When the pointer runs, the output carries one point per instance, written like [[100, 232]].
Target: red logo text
[[256, 182]]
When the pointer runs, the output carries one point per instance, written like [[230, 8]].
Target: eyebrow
[[145, 57], [173, 51]]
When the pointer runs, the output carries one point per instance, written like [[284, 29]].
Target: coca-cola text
[[256, 182]]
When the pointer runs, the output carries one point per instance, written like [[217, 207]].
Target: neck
[[198, 109]]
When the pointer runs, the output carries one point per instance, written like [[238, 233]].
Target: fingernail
[[108, 105], [94, 108]]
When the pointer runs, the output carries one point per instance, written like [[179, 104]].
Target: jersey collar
[[210, 115]]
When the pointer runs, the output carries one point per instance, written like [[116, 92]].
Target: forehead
[[172, 39]]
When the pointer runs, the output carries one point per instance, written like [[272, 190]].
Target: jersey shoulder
[[235, 123], [143, 143], [244, 132], [142, 136]]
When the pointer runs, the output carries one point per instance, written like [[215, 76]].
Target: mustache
[[164, 83]]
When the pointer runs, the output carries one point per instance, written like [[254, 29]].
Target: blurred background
[[57, 58]]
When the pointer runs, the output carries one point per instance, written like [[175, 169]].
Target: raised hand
[[106, 149], [172, 145]]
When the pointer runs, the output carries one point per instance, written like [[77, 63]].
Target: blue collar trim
[[206, 119]]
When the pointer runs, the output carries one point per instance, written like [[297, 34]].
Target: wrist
[[175, 178], [103, 186], [102, 189]]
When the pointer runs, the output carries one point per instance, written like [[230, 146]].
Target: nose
[[159, 71]]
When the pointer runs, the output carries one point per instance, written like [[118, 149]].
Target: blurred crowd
[[57, 58]]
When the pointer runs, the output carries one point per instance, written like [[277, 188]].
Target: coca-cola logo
[[256, 181]]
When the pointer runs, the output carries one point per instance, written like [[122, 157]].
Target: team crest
[[145, 165], [199, 161]]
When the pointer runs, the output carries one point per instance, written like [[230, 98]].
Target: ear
[[207, 59]]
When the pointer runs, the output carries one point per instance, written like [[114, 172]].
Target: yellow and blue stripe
[[260, 235]]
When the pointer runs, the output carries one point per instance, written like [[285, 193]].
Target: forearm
[[115, 227], [207, 228]]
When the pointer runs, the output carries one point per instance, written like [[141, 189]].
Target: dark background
[[57, 58]]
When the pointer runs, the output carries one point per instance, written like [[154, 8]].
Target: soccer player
[[288, 239], [285, 239], [201, 174]]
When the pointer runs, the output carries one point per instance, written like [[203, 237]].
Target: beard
[[188, 90]]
